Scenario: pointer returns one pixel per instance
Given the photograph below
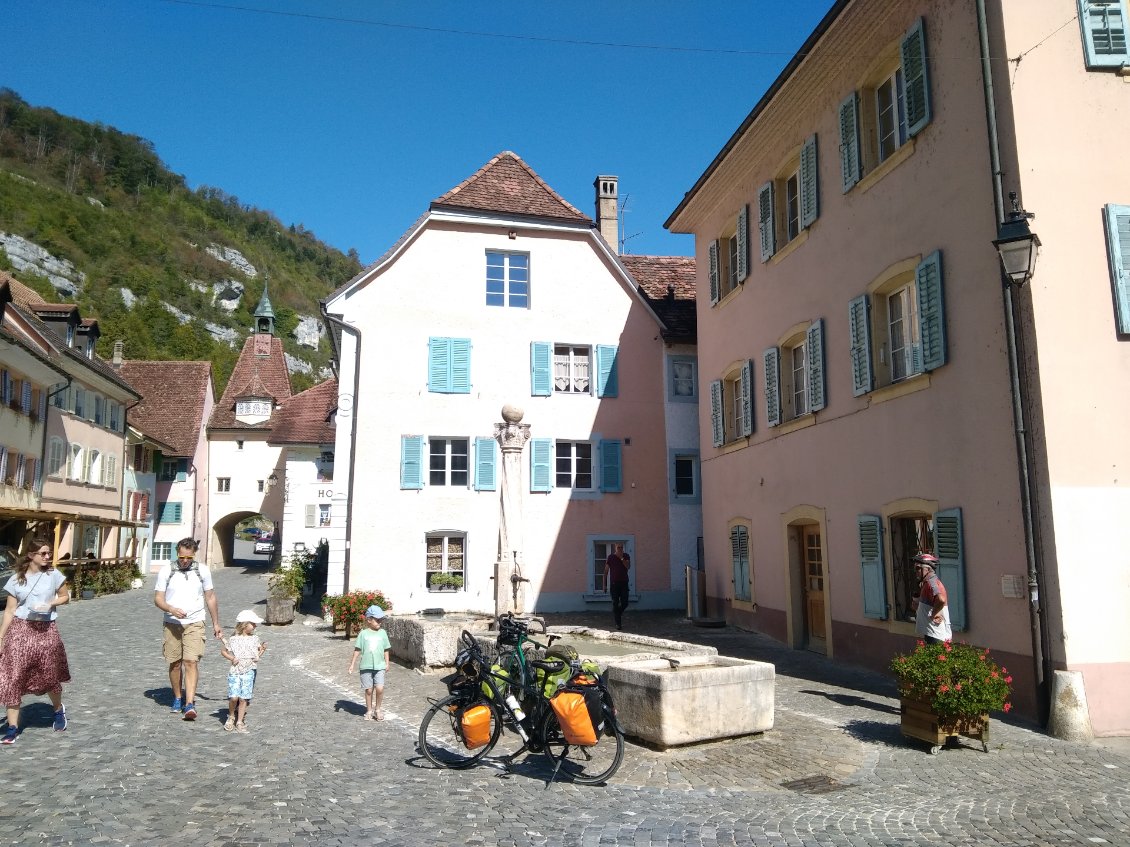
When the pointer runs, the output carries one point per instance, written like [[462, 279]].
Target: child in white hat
[[243, 650]]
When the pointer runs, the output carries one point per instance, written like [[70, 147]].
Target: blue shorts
[[241, 685], [373, 678]]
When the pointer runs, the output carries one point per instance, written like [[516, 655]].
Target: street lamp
[[1016, 244]]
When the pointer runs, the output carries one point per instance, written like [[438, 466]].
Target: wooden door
[[813, 587]]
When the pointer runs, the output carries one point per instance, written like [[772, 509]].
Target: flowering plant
[[348, 610], [957, 680]]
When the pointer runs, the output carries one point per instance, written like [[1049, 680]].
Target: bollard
[[1070, 719]]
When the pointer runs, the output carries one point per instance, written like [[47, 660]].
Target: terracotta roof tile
[[254, 376], [307, 418], [668, 283], [173, 396], [508, 185]]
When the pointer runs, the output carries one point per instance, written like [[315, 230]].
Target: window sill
[[803, 422], [918, 382], [735, 445], [744, 605], [892, 162], [730, 295], [780, 255]]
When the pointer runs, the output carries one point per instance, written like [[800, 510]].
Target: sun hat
[[375, 611], [248, 616]]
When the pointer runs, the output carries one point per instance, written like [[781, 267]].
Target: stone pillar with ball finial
[[512, 435]]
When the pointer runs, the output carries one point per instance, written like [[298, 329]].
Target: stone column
[[512, 435]]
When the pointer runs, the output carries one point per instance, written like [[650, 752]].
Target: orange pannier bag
[[572, 707], [475, 724]]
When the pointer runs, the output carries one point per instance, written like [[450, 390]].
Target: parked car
[[251, 533], [262, 546]]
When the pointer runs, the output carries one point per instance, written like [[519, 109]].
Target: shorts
[[373, 678], [185, 642], [241, 685]]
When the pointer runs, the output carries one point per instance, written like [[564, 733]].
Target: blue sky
[[349, 117]]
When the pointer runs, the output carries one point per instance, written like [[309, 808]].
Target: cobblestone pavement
[[833, 771]]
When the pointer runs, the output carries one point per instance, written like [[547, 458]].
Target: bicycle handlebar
[[551, 667]]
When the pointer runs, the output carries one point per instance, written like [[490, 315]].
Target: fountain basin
[[702, 698], [431, 641]]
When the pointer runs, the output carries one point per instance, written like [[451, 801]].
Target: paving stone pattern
[[833, 771]]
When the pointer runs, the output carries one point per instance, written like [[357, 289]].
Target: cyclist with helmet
[[932, 619]]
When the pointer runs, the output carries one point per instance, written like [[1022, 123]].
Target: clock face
[[262, 344]]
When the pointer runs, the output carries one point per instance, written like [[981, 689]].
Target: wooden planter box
[[280, 610], [920, 722]]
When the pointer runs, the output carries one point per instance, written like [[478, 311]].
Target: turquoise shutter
[[849, 142], [714, 286], [747, 398], [541, 375], [611, 458], [739, 548], [931, 311], [859, 330], [170, 513], [871, 565], [485, 464], [182, 470], [815, 351], [772, 387], [25, 400], [765, 221], [439, 364], [1118, 248], [460, 365], [1104, 33], [541, 450], [716, 413], [608, 384], [743, 243], [950, 551], [809, 180], [411, 461], [915, 79]]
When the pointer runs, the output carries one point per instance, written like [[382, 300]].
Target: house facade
[[876, 388], [502, 294]]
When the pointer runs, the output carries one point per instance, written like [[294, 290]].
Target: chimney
[[606, 212], [119, 347]]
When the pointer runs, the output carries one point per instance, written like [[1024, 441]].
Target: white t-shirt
[[183, 589], [38, 590]]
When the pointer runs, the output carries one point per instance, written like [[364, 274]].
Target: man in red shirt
[[616, 578], [932, 613]]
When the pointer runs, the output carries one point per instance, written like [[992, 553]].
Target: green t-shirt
[[372, 643]]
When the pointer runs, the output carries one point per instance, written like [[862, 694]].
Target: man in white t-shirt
[[182, 593]]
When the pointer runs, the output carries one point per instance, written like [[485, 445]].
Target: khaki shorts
[[185, 642]]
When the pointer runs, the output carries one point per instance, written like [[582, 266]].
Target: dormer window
[[70, 335], [253, 410], [90, 347]]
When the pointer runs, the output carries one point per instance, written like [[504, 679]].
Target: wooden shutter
[[460, 366], [1103, 24], [716, 413], [439, 364], [608, 384], [486, 477], [743, 243], [931, 311], [765, 221], [809, 180], [25, 399], [311, 515], [611, 472], [747, 398], [815, 352], [1118, 249], [871, 564], [411, 461], [739, 548], [950, 550], [541, 373], [850, 166], [859, 330], [915, 79], [541, 478], [714, 284], [772, 358]]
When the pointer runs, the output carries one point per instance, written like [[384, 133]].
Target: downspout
[[356, 333], [1038, 627]]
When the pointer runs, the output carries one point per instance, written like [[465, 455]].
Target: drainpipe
[[1036, 618], [356, 333]]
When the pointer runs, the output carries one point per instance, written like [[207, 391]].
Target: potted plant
[[348, 610], [284, 588], [440, 581], [948, 690]]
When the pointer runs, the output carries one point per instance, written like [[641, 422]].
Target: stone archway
[[221, 550]]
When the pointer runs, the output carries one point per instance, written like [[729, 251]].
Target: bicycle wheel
[[585, 765], [441, 742]]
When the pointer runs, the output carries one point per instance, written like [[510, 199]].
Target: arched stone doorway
[[223, 552]]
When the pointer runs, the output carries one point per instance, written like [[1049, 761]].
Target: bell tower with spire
[[265, 313]]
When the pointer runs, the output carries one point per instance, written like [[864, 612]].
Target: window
[[168, 470], [5, 387], [253, 408], [449, 365], [904, 311], [262, 485], [80, 402], [318, 514], [731, 405], [794, 375], [169, 512], [110, 471], [56, 457], [324, 514], [573, 464], [910, 535], [739, 558], [683, 385], [448, 461], [729, 257], [446, 554], [599, 551], [683, 466], [571, 369], [99, 409], [94, 467], [162, 551], [1118, 249], [21, 469], [27, 398], [889, 111], [508, 280], [115, 417], [238, 445], [789, 204], [77, 463], [4, 467], [684, 476], [223, 484], [1103, 23]]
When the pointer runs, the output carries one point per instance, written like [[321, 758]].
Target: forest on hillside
[[104, 201]]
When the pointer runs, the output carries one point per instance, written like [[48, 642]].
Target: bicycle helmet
[[927, 559]]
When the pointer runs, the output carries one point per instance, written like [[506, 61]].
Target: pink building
[[857, 334]]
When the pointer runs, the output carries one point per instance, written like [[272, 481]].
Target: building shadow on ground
[[853, 700]]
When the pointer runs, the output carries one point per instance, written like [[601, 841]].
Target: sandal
[[241, 727], [368, 716], [380, 715], [229, 724]]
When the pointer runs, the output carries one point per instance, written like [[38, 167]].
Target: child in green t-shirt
[[372, 648]]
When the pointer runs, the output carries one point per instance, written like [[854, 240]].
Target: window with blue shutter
[[182, 470], [449, 365], [541, 374], [611, 471], [809, 180], [486, 475], [5, 387], [815, 352], [1118, 249], [411, 461], [859, 331], [915, 79], [743, 244], [747, 398], [739, 551], [850, 165], [931, 311], [950, 550], [608, 384], [715, 287], [716, 427], [765, 223], [169, 513], [541, 454], [871, 564], [25, 400], [772, 358], [1103, 24]]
